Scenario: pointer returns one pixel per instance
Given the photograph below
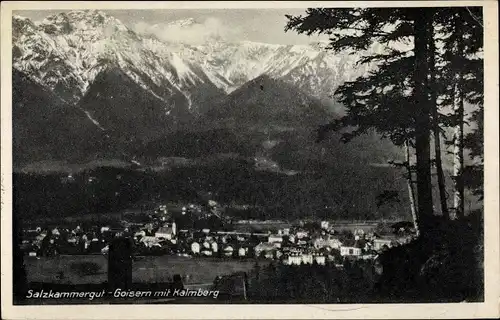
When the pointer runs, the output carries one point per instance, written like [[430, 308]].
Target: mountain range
[[136, 88], [88, 89], [65, 52]]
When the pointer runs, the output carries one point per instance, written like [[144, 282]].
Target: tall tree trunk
[[422, 119], [458, 109], [436, 128], [411, 191]]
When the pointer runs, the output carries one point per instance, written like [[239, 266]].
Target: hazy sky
[[261, 25]]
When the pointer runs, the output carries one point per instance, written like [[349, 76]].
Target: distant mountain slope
[[138, 88], [138, 91], [311, 68], [46, 128], [268, 102], [199, 144], [125, 110]]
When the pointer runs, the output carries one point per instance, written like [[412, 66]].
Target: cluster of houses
[[293, 246], [58, 240], [296, 246]]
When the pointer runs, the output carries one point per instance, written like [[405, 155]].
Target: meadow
[[64, 269]]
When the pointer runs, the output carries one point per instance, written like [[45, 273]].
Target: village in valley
[[194, 230]]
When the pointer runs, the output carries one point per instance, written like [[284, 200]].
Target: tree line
[[429, 69]]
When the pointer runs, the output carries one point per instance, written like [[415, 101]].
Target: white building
[[378, 244], [215, 247], [149, 241], [212, 203], [294, 259], [325, 225], [104, 229], [195, 247], [329, 242], [275, 238], [320, 259], [241, 252], [350, 251], [307, 258], [299, 258], [174, 228], [228, 251], [206, 252], [164, 233], [302, 234]]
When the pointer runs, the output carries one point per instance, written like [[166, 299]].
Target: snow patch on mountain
[[94, 121], [66, 51]]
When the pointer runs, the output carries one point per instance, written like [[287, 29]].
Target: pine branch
[[475, 18]]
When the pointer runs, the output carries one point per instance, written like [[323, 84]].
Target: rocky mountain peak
[[22, 26], [183, 23], [83, 20], [66, 51]]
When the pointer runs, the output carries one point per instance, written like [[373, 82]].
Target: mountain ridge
[[47, 128], [225, 65], [95, 63], [250, 104], [65, 52]]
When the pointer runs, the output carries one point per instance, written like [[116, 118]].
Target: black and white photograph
[[329, 154]]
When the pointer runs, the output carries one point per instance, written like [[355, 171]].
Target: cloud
[[188, 31]]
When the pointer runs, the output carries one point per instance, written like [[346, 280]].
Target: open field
[[149, 269], [49, 269]]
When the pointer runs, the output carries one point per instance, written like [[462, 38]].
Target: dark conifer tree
[[402, 96], [392, 99], [461, 67]]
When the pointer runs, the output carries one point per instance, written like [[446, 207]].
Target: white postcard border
[[491, 306]]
